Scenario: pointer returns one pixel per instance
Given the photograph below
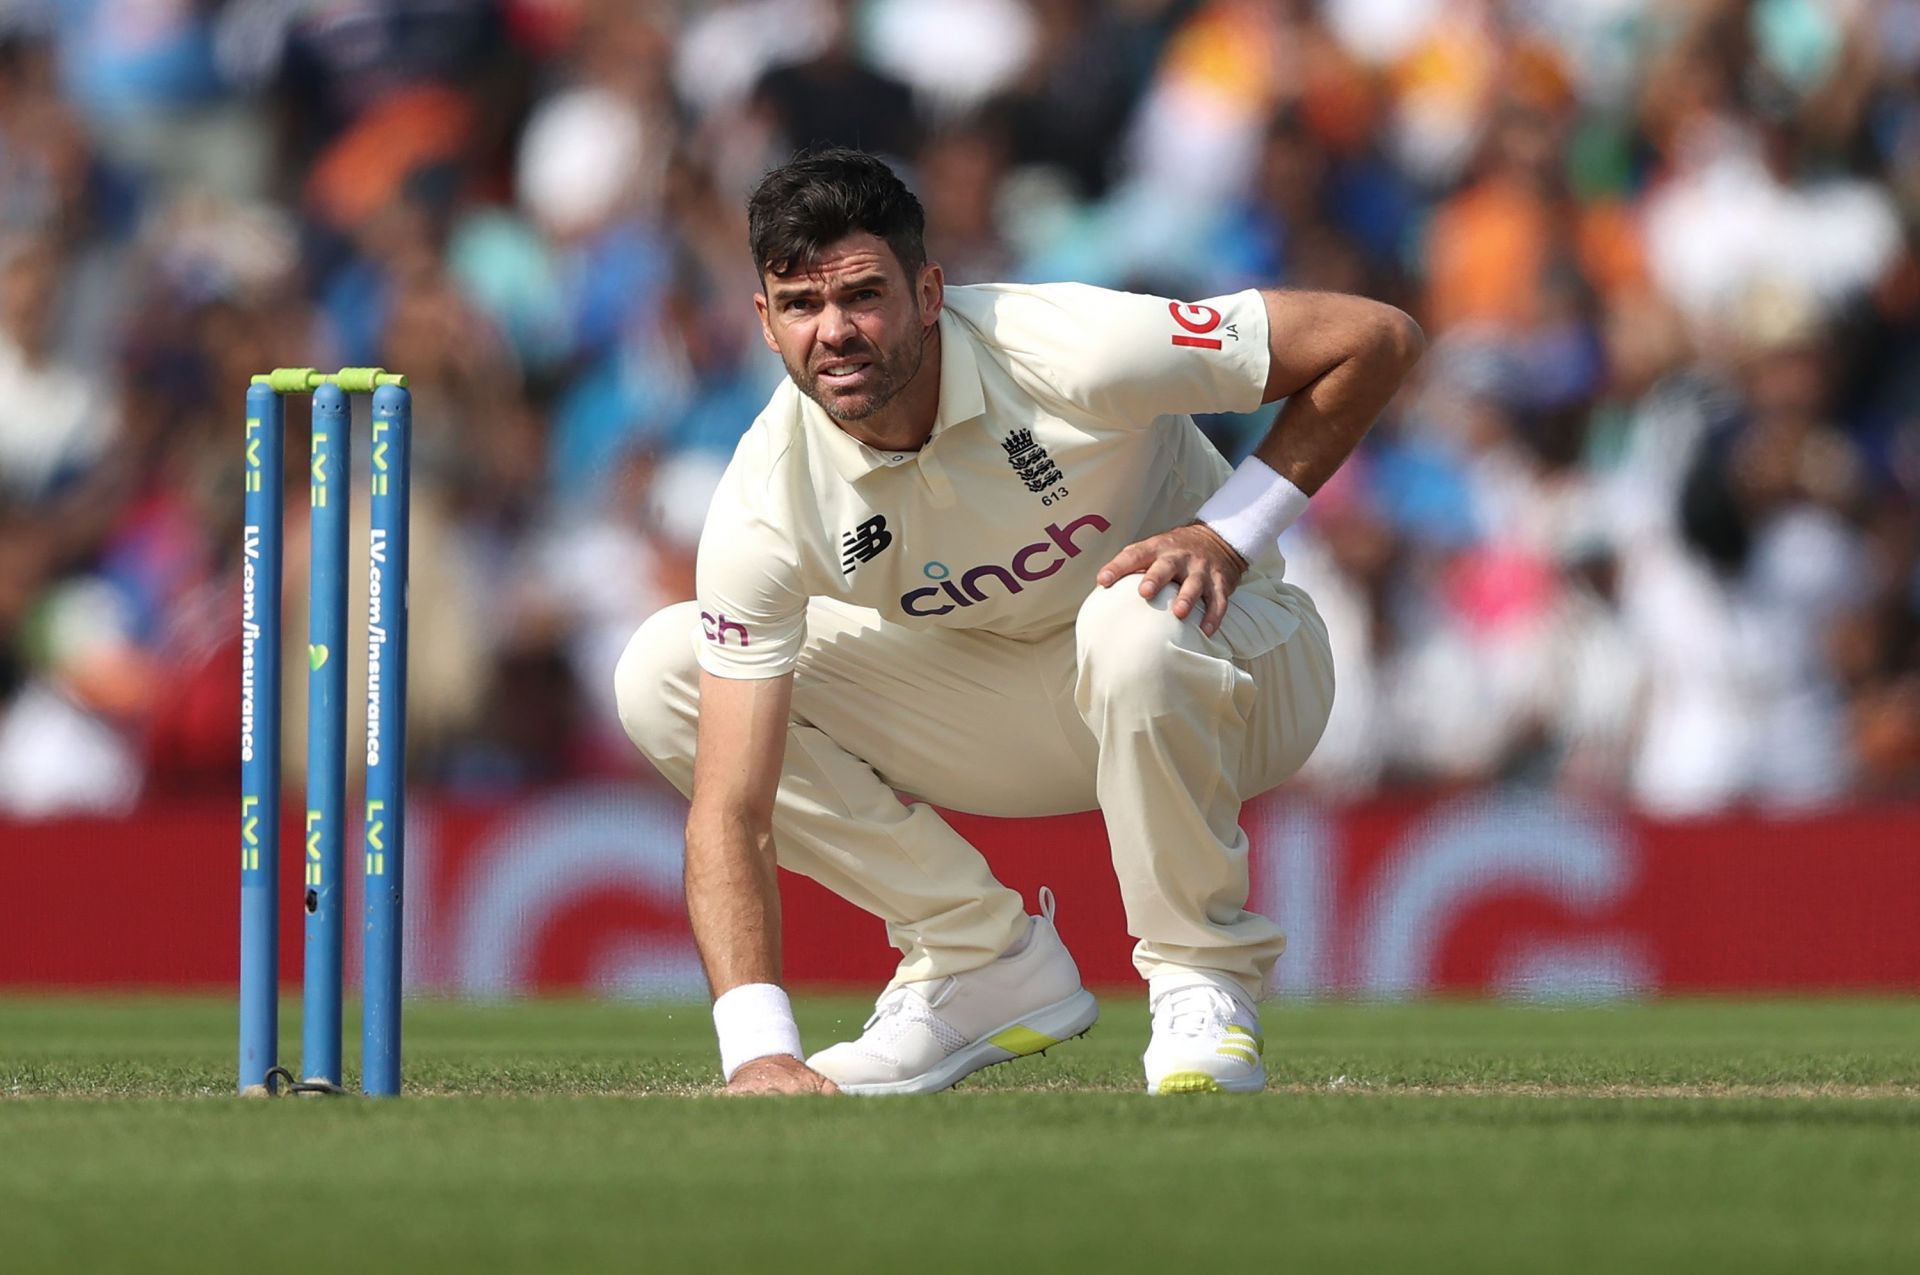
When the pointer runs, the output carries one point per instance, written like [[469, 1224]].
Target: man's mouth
[[843, 371]]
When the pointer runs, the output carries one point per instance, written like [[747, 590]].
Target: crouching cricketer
[[975, 552]]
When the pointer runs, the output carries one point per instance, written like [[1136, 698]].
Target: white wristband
[[753, 1021], [1253, 507]]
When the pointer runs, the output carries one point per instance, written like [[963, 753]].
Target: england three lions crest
[[1034, 467]]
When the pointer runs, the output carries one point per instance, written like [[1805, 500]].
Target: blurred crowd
[[1643, 526]]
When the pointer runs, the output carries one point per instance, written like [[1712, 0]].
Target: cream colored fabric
[[1127, 709], [1058, 441]]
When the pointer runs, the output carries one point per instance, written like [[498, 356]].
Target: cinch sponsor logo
[[1029, 563], [717, 627]]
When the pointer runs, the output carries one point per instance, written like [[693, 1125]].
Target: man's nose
[[835, 326]]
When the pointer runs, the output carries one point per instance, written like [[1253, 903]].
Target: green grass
[[579, 1136]]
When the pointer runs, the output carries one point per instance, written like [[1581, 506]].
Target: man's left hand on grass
[[778, 1074]]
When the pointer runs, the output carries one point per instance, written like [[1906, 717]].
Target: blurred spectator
[[64, 746], [832, 99], [55, 424], [962, 174], [1645, 526], [1076, 91], [954, 53]]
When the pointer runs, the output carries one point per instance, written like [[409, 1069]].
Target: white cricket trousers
[[1130, 710]]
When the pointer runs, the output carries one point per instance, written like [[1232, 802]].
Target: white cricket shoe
[[1206, 1036], [924, 1037]]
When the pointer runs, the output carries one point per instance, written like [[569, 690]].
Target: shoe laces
[[905, 999], [896, 1000], [1198, 1010]]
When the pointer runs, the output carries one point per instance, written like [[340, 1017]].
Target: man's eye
[[797, 304], [866, 294]]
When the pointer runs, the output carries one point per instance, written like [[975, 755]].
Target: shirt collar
[[961, 399]]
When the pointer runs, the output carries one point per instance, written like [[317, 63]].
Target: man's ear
[[931, 293], [766, 327]]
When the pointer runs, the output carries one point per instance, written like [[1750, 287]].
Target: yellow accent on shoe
[[1021, 1041], [1238, 1052], [1188, 1082], [1259, 1042]]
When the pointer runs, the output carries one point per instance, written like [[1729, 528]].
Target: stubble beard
[[890, 375]]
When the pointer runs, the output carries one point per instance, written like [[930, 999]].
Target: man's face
[[853, 328]]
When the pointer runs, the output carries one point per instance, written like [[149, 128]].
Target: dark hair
[[821, 196]]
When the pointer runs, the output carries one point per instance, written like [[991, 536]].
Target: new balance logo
[[864, 543]]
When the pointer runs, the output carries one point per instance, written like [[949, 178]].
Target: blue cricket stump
[[260, 568], [328, 490], [392, 434], [323, 895]]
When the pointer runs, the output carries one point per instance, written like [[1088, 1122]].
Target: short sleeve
[[753, 610], [1129, 357]]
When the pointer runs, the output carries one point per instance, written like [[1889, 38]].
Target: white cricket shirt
[[1063, 436]]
